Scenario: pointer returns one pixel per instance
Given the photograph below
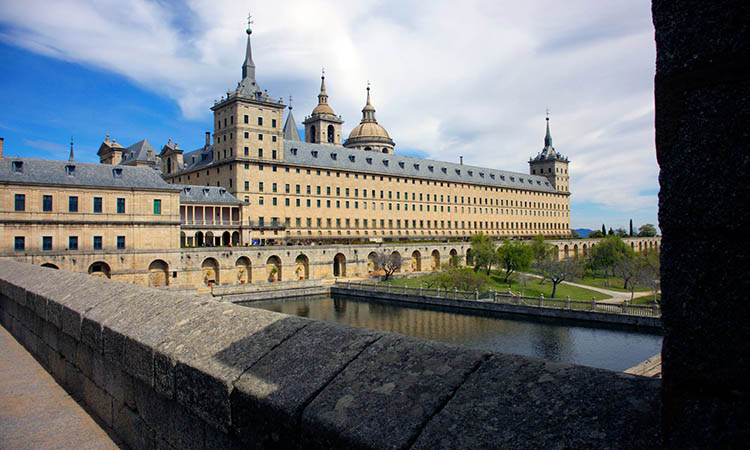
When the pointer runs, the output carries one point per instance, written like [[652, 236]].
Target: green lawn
[[646, 299], [533, 287], [611, 283]]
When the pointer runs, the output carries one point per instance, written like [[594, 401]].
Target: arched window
[[330, 134], [312, 133], [169, 165]]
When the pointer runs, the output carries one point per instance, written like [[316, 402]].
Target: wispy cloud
[[448, 80], [47, 146]]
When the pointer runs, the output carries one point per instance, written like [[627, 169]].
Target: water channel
[[607, 348]]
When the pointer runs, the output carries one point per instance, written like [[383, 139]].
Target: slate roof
[[206, 194], [290, 128], [49, 172], [335, 157], [197, 158], [139, 152]]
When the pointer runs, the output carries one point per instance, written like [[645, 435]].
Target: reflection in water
[[596, 347]]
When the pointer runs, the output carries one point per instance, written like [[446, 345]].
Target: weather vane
[[548, 113], [249, 22], [323, 71], [368, 85], [290, 102]]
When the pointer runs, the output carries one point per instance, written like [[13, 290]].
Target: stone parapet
[[169, 370]]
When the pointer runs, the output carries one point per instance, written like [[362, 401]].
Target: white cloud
[[449, 79]]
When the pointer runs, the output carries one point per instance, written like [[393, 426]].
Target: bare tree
[[390, 263], [559, 271]]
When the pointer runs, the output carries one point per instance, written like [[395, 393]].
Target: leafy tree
[[611, 232], [388, 262], [596, 234], [484, 251], [621, 232], [559, 271], [646, 274], [647, 230], [514, 256], [539, 248], [461, 278], [607, 252], [574, 234], [627, 268]]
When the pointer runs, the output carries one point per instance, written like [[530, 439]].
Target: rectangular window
[[260, 137], [260, 121], [273, 154], [20, 202], [260, 186], [72, 204], [273, 187], [121, 206], [19, 243], [47, 243], [247, 185], [97, 242], [247, 119], [46, 203], [273, 123], [247, 152], [157, 206], [120, 242], [72, 242], [260, 201], [273, 201], [260, 154]]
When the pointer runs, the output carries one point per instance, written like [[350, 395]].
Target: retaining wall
[[651, 323], [169, 370]]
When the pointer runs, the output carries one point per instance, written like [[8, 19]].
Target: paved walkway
[[617, 296], [35, 412]]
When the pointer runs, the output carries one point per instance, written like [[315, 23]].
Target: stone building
[[316, 189]]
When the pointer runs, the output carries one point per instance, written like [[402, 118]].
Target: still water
[[606, 348]]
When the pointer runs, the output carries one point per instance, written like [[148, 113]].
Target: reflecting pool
[[607, 348]]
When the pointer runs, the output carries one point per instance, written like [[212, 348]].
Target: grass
[[615, 283], [646, 299], [533, 287]]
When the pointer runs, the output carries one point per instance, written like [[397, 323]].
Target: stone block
[[384, 397], [73, 381], [269, 397], [54, 314], [132, 429], [56, 365], [97, 400], [519, 402], [37, 303], [84, 359], [50, 335], [68, 347], [215, 348], [170, 421]]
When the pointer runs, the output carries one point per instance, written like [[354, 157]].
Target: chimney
[[461, 160], [1, 147], [208, 139]]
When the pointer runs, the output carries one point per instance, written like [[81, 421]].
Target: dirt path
[[617, 296]]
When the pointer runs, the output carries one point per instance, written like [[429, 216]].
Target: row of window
[[246, 119], [20, 204], [415, 224], [433, 198], [20, 243]]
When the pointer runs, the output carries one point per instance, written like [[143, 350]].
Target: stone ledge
[[182, 371]]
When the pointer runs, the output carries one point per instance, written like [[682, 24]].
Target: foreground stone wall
[[174, 371]]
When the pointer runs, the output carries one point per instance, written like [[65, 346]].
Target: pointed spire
[[323, 96], [71, 158], [248, 67], [368, 112], [548, 136], [290, 131]]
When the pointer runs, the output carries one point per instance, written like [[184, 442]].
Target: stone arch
[[330, 134], [372, 262], [416, 261], [469, 258], [556, 252], [312, 134], [640, 246], [244, 270], [225, 238], [575, 250], [632, 246], [302, 267], [273, 268], [50, 266], [339, 265], [566, 252], [585, 250], [236, 238], [100, 269], [210, 271], [436, 259], [183, 239], [210, 239], [454, 256], [199, 239], [398, 258], [158, 273]]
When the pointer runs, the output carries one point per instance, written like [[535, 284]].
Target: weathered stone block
[[216, 348], [269, 397], [37, 303], [132, 429], [68, 347], [73, 381], [384, 397], [50, 335], [97, 400], [170, 421], [518, 402], [56, 365], [84, 359]]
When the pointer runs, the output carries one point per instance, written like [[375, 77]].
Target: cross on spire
[[290, 102]]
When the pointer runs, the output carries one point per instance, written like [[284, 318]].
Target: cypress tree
[[631, 227], [604, 230]]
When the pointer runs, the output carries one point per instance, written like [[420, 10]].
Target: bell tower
[[323, 126], [551, 164]]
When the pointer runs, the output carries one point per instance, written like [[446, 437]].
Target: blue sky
[[447, 81]]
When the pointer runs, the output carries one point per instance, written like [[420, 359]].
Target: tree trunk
[[554, 288]]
